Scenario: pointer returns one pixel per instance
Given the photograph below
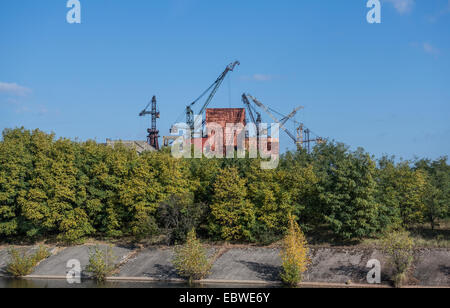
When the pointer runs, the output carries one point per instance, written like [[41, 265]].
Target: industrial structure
[[303, 140], [153, 132], [212, 90], [223, 116]]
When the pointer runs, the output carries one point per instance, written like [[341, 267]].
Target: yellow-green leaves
[[294, 254], [398, 246], [232, 215], [191, 260]]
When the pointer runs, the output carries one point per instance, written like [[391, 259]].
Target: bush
[[101, 263], [178, 215], [41, 254], [294, 255], [264, 236], [191, 260], [399, 248], [144, 227], [22, 265]]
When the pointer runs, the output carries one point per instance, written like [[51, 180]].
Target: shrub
[[294, 255], [144, 226], [41, 254], [399, 248], [191, 260], [101, 263], [22, 264], [264, 236], [178, 215]]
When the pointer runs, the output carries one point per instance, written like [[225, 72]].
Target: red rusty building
[[233, 116], [223, 116]]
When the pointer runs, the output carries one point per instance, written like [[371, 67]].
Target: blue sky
[[384, 87]]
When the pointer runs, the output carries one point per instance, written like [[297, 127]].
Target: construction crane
[[282, 121], [153, 132], [212, 91], [250, 109], [304, 138], [256, 121]]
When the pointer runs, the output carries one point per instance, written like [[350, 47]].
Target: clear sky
[[384, 87]]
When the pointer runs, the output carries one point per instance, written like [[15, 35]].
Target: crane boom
[[213, 88], [266, 109], [291, 115], [247, 104]]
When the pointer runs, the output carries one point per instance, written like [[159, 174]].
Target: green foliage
[[73, 190], [41, 254], [401, 193], [294, 255], [437, 191], [232, 214], [15, 163], [178, 215], [190, 260], [302, 184], [399, 247], [101, 263], [22, 264], [347, 190], [270, 198]]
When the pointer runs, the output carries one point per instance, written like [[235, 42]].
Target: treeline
[[73, 190]]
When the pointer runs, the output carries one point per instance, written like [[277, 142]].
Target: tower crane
[[212, 91], [153, 132]]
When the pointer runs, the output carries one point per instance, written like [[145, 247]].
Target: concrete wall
[[252, 264]]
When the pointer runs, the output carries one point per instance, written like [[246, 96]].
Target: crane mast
[[250, 109], [153, 132], [256, 121]]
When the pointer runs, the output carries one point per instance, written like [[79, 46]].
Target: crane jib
[[213, 88]]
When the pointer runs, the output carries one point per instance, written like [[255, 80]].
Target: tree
[[302, 183], [180, 214], [294, 254], [138, 194], [93, 190], [232, 215], [36, 202], [271, 200], [203, 173], [190, 260], [15, 166], [347, 191], [437, 194], [387, 194], [401, 193]]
